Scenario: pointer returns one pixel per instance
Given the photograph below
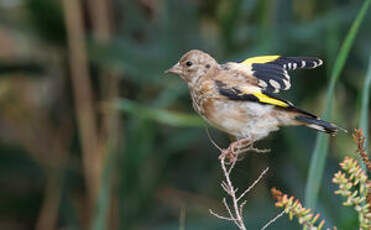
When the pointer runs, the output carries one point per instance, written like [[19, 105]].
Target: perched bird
[[240, 97]]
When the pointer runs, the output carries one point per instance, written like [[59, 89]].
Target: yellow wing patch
[[261, 59], [249, 94], [263, 98], [266, 99]]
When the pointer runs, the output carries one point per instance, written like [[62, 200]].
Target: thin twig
[[228, 209], [232, 153], [212, 140], [232, 193], [253, 184], [273, 220], [242, 205], [220, 216]]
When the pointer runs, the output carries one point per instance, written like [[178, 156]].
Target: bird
[[240, 98]]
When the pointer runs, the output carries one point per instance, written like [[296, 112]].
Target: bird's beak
[[176, 69]]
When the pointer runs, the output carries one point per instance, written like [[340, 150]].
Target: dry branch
[[86, 114], [228, 159]]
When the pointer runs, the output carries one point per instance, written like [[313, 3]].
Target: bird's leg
[[247, 144], [235, 149], [240, 146], [249, 147]]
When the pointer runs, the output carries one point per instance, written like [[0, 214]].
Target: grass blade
[[363, 122], [102, 204], [104, 196], [320, 150]]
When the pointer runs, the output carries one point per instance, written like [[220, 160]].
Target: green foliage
[[47, 18], [293, 208], [322, 142], [165, 162], [354, 186], [159, 115], [363, 121]]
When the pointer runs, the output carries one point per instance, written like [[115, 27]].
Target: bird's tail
[[316, 123]]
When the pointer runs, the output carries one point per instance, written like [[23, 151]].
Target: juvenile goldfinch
[[239, 97]]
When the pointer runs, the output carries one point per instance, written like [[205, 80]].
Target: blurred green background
[[93, 135]]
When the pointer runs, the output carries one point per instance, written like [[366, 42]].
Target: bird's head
[[193, 65]]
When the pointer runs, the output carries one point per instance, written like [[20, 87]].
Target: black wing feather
[[273, 75]]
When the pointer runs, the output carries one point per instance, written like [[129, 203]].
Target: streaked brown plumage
[[238, 98]]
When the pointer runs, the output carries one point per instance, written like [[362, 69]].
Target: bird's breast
[[238, 118]]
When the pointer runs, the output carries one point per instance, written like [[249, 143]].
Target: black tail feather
[[320, 125]]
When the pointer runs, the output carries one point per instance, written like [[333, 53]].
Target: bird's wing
[[272, 71], [256, 94]]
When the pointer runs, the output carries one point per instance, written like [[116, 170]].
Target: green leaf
[[322, 144], [102, 203], [363, 122], [159, 115]]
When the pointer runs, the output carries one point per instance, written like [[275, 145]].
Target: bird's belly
[[242, 119]]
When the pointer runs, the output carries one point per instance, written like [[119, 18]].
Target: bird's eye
[[188, 63]]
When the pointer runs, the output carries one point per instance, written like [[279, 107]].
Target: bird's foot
[[235, 150], [228, 154]]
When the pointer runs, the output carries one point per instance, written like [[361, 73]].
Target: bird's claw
[[236, 150]]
